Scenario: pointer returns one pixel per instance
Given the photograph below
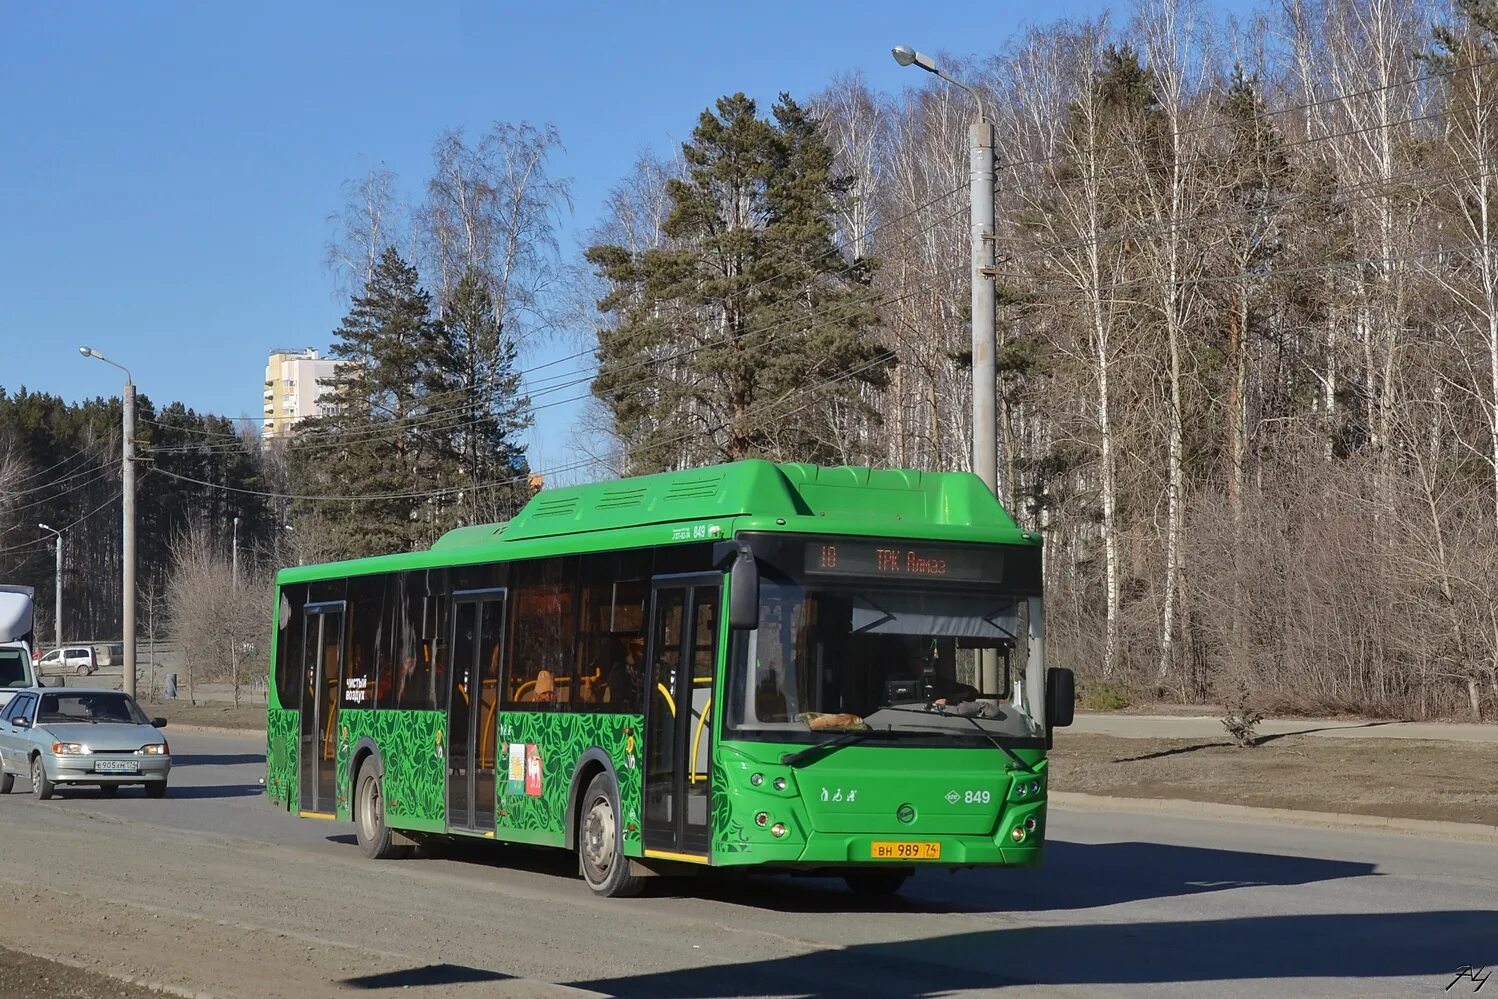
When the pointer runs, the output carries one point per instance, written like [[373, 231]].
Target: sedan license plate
[[116, 767], [905, 851]]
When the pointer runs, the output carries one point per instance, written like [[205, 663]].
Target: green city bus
[[824, 670]]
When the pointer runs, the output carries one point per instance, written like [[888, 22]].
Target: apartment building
[[298, 385]]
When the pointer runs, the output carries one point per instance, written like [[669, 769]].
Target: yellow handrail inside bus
[[670, 701], [707, 709], [559, 681]]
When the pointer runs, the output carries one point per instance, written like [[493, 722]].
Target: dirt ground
[[1447, 781], [28, 977]]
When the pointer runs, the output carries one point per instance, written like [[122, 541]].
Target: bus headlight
[[756, 779], [1020, 790], [1018, 835], [777, 830], [779, 783], [1035, 787]]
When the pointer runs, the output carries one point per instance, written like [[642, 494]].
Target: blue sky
[[168, 170]]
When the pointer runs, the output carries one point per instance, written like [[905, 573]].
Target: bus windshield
[[854, 656]]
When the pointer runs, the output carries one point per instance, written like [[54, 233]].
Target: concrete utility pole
[[57, 610], [127, 514], [980, 197], [985, 373]]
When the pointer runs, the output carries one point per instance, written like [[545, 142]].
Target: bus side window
[[289, 646], [543, 636], [419, 670]]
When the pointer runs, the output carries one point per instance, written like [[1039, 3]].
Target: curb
[[1465, 832], [217, 730], [119, 976]]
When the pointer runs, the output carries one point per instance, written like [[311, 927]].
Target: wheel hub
[[598, 835]]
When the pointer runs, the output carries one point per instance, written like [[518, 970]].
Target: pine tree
[[397, 402], [485, 445], [736, 338]]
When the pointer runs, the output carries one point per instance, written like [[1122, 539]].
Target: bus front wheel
[[374, 836], [876, 884], [600, 842]]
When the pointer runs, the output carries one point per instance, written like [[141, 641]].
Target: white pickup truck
[[16, 619]]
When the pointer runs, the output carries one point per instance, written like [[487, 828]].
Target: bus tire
[[876, 884], [600, 842], [375, 839]]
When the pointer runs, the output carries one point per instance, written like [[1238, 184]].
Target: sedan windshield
[[104, 707], [910, 659]]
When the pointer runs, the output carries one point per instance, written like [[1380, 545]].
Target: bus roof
[[750, 495]]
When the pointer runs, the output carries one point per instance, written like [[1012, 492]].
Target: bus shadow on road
[[1364, 946], [217, 759], [425, 976], [214, 790], [1074, 876]]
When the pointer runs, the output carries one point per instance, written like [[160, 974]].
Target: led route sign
[[903, 560]]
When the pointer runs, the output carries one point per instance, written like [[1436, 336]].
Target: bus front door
[[473, 709], [322, 678], [683, 657]]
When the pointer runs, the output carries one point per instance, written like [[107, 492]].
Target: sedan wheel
[[41, 787]]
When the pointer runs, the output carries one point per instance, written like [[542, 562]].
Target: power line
[[433, 493], [69, 527], [447, 419]]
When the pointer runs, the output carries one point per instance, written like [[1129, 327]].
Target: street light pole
[[985, 373], [57, 610], [980, 197], [127, 516], [236, 554]]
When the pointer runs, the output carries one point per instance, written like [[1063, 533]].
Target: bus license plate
[[905, 851], [116, 767]]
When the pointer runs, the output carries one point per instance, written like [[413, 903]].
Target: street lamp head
[[46, 528], [86, 351], [907, 56]]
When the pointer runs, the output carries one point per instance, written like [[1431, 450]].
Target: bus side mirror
[[743, 592], [1060, 699]]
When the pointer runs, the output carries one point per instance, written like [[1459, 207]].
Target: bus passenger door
[[473, 709], [683, 657], [322, 679]]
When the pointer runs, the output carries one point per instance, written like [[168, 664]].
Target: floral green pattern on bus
[[536, 775], [728, 836], [413, 749], [281, 731]]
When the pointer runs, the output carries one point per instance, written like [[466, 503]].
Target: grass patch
[[1104, 697], [249, 717], [1403, 778]]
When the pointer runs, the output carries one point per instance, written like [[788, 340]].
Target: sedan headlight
[[70, 749], [155, 749]]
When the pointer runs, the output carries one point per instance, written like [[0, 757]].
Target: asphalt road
[[212, 891]]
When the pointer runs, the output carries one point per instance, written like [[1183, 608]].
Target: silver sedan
[[73, 736]]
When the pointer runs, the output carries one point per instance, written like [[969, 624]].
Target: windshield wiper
[[1018, 762], [832, 745]]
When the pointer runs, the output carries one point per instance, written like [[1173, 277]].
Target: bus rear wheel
[[875, 884], [375, 838], [600, 842]]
